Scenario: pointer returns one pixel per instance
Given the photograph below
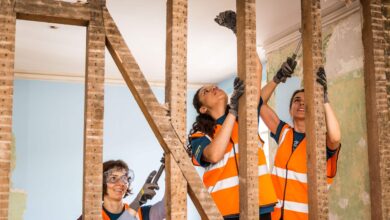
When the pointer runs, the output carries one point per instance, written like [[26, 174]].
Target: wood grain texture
[[93, 115], [247, 120], [314, 110], [175, 98], [7, 61], [54, 11], [376, 62]]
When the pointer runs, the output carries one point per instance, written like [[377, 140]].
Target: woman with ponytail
[[213, 142]]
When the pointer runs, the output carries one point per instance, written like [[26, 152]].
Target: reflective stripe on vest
[[293, 206], [222, 182], [292, 175], [289, 177]]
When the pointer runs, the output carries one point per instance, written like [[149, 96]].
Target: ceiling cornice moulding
[[58, 77], [332, 14]]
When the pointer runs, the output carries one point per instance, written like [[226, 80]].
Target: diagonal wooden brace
[[157, 118]]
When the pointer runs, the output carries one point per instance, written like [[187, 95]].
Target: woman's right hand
[[285, 71], [239, 88]]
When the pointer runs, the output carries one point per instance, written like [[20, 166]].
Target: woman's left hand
[[321, 79], [239, 88]]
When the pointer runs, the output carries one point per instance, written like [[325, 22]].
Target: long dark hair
[[203, 122]]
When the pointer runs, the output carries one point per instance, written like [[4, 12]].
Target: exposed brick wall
[[315, 117], [376, 66], [93, 116], [7, 54], [175, 97]]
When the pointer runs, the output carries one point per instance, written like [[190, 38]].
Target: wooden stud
[[93, 115], [7, 52], [157, 118], [247, 120], [175, 97], [314, 110], [377, 107], [53, 11]]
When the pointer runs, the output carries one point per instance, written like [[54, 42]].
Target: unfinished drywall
[[343, 58]]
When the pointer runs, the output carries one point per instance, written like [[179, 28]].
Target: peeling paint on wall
[[349, 196], [18, 198]]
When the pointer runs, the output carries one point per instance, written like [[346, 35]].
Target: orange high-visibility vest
[[106, 217], [221, 178], [289, 177]]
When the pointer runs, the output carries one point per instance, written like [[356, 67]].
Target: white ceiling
[[211, 48]]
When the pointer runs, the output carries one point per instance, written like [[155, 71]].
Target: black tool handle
[[159, 172]]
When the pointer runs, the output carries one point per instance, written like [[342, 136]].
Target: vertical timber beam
[[93, 115], [377, 108], [175, 97], [247, 120], [386, 12], [7, 55], [315, 118], [385, 143]]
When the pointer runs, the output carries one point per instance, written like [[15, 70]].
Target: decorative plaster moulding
[[81, 79], [330, 15]]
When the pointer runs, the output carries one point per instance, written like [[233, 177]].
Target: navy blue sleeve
[[278, 130], [145, 211], [330, 153], [198, 145]]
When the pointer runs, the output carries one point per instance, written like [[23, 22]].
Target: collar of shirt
[[221, 119]]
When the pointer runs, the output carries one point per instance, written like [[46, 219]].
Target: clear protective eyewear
[[127, 178], [114, 179]]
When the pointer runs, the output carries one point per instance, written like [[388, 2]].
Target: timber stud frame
[[102, 32]]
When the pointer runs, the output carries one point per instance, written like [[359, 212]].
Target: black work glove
[[147, 192], [227, 19], [321, 79], [239, 88], [285, 71]]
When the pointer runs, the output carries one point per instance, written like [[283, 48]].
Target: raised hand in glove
[[285, 71], [321, 79], [239, 88], [227, 19], [147, 192]]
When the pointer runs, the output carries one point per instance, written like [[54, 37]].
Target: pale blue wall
[[48, 128]]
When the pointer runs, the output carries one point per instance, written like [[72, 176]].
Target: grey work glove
[[285, 71], [321, 79], [147, 192], [239, 88], [227, 19]]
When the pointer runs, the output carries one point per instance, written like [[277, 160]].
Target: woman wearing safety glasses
[[117, 178]]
